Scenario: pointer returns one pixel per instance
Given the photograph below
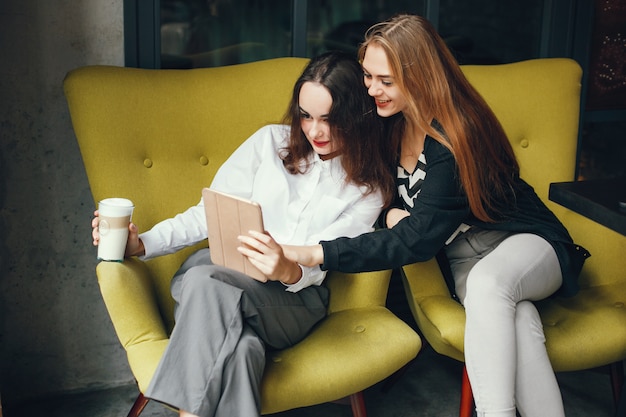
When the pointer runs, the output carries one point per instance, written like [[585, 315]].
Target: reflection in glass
[[341, 25], [209, 33], [491, 32]]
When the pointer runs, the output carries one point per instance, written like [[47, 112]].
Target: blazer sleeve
[[438, 210]]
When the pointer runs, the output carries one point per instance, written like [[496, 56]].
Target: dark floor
[[429, 387]]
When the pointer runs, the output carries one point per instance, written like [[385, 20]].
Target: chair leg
[[138, 406], [467, 398], [358, 405], [617, 379]]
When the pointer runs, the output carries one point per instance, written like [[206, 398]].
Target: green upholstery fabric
[[157, 137], [537, 102]]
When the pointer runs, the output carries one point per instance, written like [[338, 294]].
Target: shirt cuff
[[303, 282], [150, 245]]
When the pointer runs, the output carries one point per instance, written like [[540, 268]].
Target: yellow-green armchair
[[157, 137], [537, 102]]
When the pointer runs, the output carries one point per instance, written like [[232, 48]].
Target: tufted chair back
[[159, 147], [538, 103]]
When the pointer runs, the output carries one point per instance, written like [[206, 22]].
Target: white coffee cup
[[114, 218]]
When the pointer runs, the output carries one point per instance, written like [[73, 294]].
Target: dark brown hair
[[354, 124]]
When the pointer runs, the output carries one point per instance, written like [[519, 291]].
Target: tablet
[[227, 217]]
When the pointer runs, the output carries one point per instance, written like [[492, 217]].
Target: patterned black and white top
[[409, 185]]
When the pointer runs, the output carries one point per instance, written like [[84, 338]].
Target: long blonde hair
[[435, 88]]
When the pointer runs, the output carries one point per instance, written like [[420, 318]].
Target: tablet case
[[227, 217]]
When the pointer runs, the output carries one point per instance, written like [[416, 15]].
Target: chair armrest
[[425, 280], [129, 296], [440, 317], [357, 290]]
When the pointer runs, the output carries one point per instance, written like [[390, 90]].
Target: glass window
[[208, 33], [341, 25], [491, 32]]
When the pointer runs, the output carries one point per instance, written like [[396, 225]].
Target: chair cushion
[[325, 362], [582, 332], [588, 330]]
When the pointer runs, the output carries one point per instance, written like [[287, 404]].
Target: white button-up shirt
[[299, 209]]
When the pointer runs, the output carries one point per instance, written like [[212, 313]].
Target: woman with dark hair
[[460, 193], [317, 176]]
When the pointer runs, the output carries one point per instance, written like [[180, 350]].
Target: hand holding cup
[[113, 220]]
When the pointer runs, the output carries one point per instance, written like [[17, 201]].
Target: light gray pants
[[497, 276], [224, 320]]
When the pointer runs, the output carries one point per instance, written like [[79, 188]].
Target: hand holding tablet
[[227, 217]]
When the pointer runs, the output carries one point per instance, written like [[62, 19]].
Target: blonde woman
[[460, 193]]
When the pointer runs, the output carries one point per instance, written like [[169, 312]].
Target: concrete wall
[[55, 334]]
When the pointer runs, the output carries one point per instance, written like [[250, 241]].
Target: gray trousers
[[224, 322]]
